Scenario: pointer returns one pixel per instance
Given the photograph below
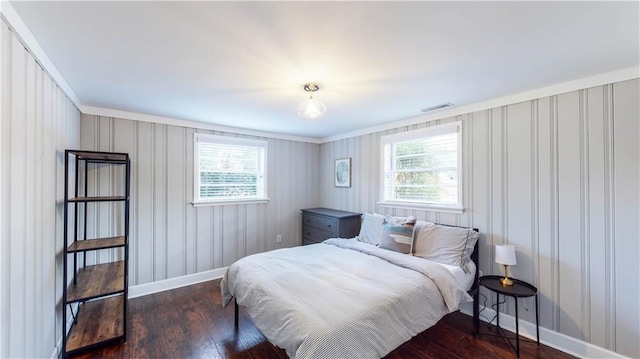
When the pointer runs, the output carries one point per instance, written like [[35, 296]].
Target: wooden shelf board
[[95, 244], [97, 199], [97, 280], [99, 321]]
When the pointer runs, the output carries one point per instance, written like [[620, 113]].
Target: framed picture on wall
[[343, 172]]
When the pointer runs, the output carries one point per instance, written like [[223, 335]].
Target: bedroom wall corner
[[38, 122]]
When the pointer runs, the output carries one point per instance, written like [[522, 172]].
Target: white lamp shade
[[312, 109], [506, 254]]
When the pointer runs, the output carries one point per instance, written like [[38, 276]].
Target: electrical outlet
[[279, 238]]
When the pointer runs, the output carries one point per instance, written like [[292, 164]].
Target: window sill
[[422, 206], [203, 203]]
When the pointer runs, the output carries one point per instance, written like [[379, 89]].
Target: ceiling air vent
[[437, 107]]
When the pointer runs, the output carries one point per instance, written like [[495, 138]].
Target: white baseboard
[[57, 350], [173, 283], [562, 342]]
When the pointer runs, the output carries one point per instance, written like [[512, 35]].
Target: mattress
[[464, 279]]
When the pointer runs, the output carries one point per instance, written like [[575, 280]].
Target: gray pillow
[[445, 244], [397, 234]]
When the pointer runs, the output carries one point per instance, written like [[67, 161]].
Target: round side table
[[519, 289]]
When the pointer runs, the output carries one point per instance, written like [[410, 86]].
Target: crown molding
[[20, 29], [100, 111], [564, 87]]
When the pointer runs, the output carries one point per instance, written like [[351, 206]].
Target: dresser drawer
[[320, 222], [311, 234]]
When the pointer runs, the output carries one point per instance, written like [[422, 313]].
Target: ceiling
[[243, 64]]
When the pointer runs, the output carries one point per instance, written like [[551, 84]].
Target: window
[[422, 168], [229, 169]]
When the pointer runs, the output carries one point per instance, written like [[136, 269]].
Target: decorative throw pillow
[[371, 229], [397, 234], [445, 244]]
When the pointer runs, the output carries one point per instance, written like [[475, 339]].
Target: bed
[[347, 298]]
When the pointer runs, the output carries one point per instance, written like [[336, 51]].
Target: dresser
[[319, 224]]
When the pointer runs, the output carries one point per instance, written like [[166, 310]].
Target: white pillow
[[371, 228], [445, 244]]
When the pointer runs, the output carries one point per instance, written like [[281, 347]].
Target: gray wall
[[37, 123], [558, 177], [171, 238]]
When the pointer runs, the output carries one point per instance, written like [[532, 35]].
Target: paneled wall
[[169, 236], [558, 177], [37, 123]]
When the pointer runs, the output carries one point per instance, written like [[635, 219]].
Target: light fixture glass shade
[[505, 254], [312, 109]]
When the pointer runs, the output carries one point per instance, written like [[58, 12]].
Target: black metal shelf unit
[[97, 291]]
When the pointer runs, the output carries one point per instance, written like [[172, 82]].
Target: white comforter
[[341, 298]]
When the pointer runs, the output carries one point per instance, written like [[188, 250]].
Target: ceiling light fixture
[[311, 108]]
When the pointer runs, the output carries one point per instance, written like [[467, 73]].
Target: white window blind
[[229, 169], [423, 166]]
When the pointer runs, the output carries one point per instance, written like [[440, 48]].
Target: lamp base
[[506, 282]]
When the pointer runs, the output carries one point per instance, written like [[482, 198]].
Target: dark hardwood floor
[[190, 322]]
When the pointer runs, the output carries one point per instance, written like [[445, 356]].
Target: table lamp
[[506, 255]]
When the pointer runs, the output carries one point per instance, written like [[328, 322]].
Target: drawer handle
[[308, 233], [328, 225]]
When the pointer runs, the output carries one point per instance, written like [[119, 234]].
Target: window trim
[[210, 138], [414, 135]]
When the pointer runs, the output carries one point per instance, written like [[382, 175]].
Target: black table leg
[[517, 330], [476, 310], [498, 310], [537, 325]]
